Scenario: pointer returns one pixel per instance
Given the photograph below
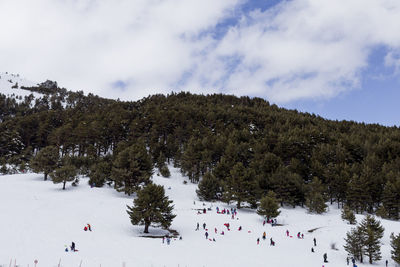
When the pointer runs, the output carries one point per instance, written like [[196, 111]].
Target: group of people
[[72, 247]]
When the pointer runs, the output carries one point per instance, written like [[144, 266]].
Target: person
[[180, 238], [163, 239], [168, 240], [353, 261], [347, 260], [298, 235], [263, 222], [258, 241], [386, 263], [89, 227], [287, 232], [206, 234], [312, 249], [264, 235], [66, 249], [197, 228], [204, 226], [85, 228], [213, 239], [325, 257], [73, 246], [240, 228], [271, 242], [315, 242], [222, 233], [204, 210], [215, 230], [302, 236]]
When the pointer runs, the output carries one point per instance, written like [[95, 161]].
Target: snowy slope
[[8, 80], [38, 219]]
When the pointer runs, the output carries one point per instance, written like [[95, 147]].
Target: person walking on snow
[[197, 228], [325, 257], [215, 229], [264, 235], [315, 242], [258, 241], [206, 234], [73, 246], [287, 232], [264, 223], [90, 228], [204, 226]]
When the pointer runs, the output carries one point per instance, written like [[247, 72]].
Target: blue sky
[[338, 59]]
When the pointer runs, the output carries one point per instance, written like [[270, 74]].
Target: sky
[[338, 59]]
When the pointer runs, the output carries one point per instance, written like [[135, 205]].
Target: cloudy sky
[[339, 59]]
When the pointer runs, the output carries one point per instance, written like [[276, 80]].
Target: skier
[[315, 242], [325, 257], [312, 249], [206, 234], [271, 242], [197, 228], [90, 228], [298, 235], [85, 228], [240, 228], [386, 263], [264, 236], [73, 246], [258, 241], [204, 226], [287, 232]]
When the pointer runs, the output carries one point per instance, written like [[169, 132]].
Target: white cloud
[[298, 49]]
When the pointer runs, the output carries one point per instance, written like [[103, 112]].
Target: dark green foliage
[[391, 199], [240, 185], [288, 186], [315, 201], [372, 232], [395, 243], [46, 160], [164, 171], [151, 207], [209, 187], [131, 168], [348, 215], [269, 206], [355, 244], [64, 174], [99, 173]]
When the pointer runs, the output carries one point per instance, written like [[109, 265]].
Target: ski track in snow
[[38, 219]]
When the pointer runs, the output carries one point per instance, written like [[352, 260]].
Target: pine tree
[[209, 187], [390, 200], [164, 171], [269, 206], [372, 232], [46, 160], [348, 215], [314, 198], [355, 244], [240, 185], [132, 167], [358, 196], [64, 174], [395, 243], [99, 173], [151, 207]]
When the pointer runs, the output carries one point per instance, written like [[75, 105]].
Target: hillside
[[41, 219]]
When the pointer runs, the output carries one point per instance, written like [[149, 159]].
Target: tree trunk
[[45, 176], [146, 227], [64, 185]]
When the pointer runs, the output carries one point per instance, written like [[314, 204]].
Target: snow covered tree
[[64, 174], [132, 167], [151, 207], [208, 188], [348, 215], [46, 160], [395, 243], [372, 232], [269, 206]]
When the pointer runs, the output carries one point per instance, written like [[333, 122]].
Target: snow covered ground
[[7, 81], [38, 220]]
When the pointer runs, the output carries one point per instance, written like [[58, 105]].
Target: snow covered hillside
[[38, 221], [8, 81]]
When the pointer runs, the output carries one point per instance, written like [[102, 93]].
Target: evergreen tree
[[395, 243], [164, 171], [99, 173], [208, 188], [269, 206], [132, 167], [64, 174], [355, 244], [314, 198], [348, 215], [240, 185], [372, 232], [391, 199], [151, 207], [358, 196], [46, 160]]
